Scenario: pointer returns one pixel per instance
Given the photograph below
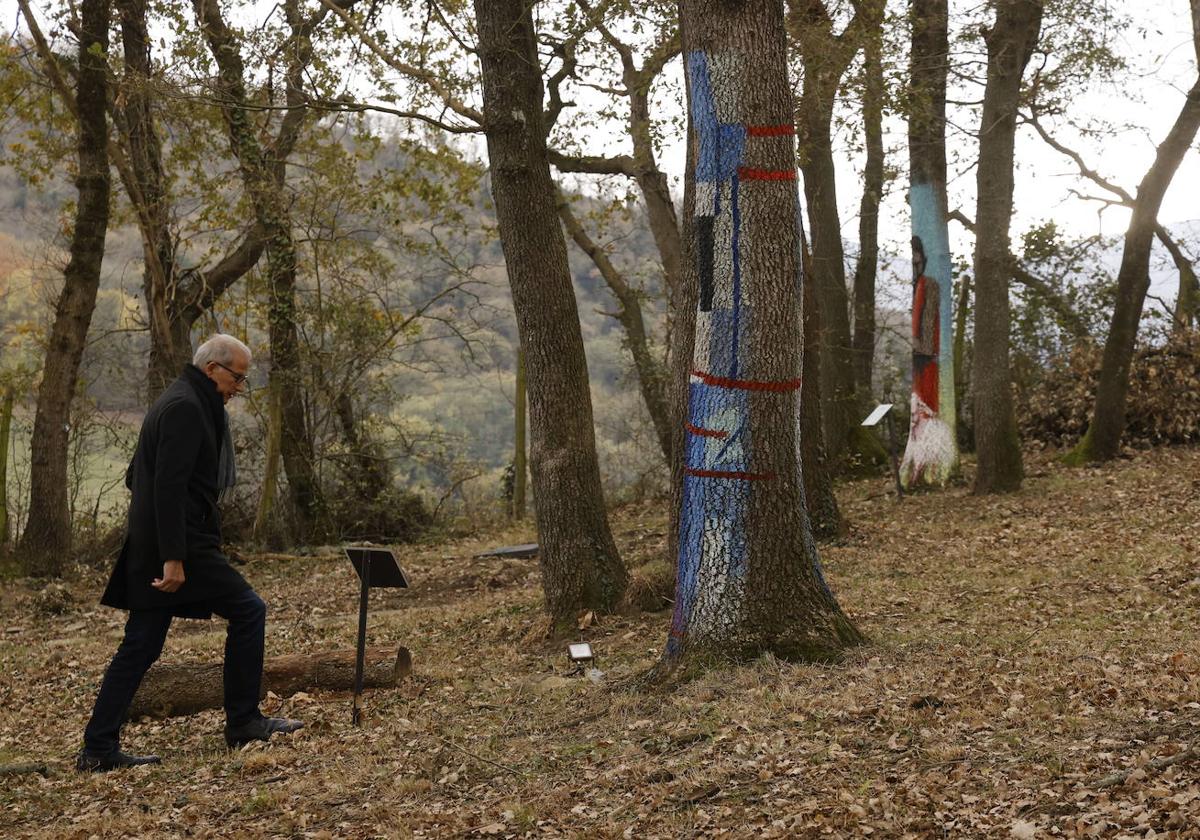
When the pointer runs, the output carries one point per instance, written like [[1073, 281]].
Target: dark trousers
[[145, 632]]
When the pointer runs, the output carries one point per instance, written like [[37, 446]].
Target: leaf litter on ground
[[1026, 650]]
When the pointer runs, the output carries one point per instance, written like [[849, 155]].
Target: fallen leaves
[[1024, 649]]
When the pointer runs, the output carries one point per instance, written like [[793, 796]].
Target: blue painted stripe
[[737, 277]]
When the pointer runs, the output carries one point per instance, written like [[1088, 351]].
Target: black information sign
[[376, 567]]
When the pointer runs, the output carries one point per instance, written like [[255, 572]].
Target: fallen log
[[27, 767], [171, 689]]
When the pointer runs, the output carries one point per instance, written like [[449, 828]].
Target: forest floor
[[1023, 649]]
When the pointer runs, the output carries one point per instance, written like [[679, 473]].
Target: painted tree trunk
[[1102, 441], [581, 568], [1010, 43], [749, 579], [47, 537], [931, 454]]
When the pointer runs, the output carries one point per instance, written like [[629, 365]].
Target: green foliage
[[1078, 274]]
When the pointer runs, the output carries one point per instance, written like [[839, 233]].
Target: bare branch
[[594, 164], [426, 77]]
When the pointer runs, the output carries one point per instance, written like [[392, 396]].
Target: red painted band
[[747, 384], [743, 476], [770, 130], [747, 174], [712, 433]]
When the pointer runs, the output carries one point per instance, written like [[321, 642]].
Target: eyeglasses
[[238, 378]]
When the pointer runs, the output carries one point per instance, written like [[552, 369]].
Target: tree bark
[[748, 580], [823, 512], [931, 453], [825, 57], [520, 468], [47, 536], [263, 172], [172, 689], [962, 311], [868, 217], [1102, 442], [270, 481], [1010, 44], [581, 568]]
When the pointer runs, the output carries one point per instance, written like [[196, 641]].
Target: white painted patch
[[930, 452]]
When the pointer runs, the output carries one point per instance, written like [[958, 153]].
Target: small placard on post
[[376, 567], [875, 416], [885, 410]]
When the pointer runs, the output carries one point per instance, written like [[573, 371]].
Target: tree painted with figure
[[749, 579], [931, 454]]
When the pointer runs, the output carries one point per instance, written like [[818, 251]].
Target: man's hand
[[172, 577]]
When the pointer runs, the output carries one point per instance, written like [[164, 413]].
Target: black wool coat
[[173, 513]]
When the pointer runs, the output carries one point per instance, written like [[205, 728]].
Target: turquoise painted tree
[[931, 455]]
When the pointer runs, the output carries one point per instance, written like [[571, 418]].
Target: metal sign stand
[[387, 574], [880, 411]]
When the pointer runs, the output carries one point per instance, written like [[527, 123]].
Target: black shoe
[[259, 729], [91, 763]]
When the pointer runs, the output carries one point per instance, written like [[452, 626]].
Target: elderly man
[[172, 565]]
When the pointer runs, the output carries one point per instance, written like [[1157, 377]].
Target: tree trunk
[[371, 473], [270, 482], [1189, 288], [839, 407], [171, 689], [868, 218], [581, 568], [823, 512], [931, 454], [825, 57], [6, 415], [263, 174], [147, 192], [1102, 442], [1009, 45], [47, 537], [749, 580], [962, 310], [651, 380], [520, 469]]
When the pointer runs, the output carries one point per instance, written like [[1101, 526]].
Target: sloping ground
[[1023, 649]]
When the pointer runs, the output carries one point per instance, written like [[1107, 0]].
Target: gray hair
[[220, 348]]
